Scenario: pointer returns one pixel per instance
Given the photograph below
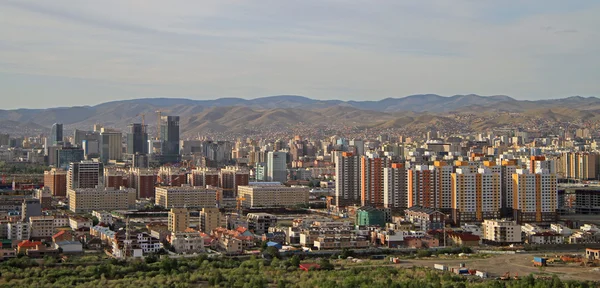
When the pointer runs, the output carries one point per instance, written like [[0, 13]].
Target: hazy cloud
[[69, 52]]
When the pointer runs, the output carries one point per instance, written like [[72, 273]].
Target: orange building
[[372, 178]]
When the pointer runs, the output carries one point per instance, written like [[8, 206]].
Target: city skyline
[[65, 53]]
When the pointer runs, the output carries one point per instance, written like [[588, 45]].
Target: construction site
[[512, 266]]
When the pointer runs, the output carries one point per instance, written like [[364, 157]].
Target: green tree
[[295, 261]]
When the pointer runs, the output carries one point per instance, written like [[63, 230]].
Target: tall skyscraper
[[56, 135], [169, 135], [347, 188], [85, 174], [66, 155], [111, 145], [372, 179], [277, 167], [137, 139]]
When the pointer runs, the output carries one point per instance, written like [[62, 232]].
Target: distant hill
[[236, 114]]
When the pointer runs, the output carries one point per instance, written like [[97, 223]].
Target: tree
[[325, 264], [273, 251], [295, 261], [263, 246]]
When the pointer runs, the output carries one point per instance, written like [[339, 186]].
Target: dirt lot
[[497, 265]]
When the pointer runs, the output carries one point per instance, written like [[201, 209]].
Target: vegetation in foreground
[[92, 271]]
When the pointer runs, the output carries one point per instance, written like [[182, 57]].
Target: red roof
[[27, 243], [60, 233], [307, 266]]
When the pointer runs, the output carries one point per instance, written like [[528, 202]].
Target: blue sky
[[66, 53]]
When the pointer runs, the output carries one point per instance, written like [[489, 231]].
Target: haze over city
[[294, 144], [69, 53]]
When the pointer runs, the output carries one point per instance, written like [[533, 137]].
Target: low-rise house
[[63, 235], [187, 242], [561, 229], [78, 222], [25, 245], [592, 254], [69, 247], [583, 237], [421, 242], [225, 238], [6, 254], [94, 244], [464, 239], [546, 237], [41, 251], [425, 218], [278, 237], [103, 217]]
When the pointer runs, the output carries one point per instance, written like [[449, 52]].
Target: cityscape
[[119, 167]]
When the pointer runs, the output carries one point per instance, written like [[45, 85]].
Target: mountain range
[[238, 115]]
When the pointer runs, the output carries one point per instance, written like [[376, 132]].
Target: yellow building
[[272, 196], [179, 219], [210, 218], [89, 199], [187, 196]]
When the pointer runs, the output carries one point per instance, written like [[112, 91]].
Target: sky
[[83, 52]]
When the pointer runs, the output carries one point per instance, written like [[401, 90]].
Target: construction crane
[[143, 118], [239, 205], [159, 115]]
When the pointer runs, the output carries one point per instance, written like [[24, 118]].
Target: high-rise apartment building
[[579, 165], [143, 181], [277, 167], [137, 139], [111, 145], [179, 219], [83, 200], [508, 168], [475, 196], [169, 135], [85, 174], [372, 178], [115, 178], [231, 178], [421, 187], [56, 181], [56, 136], [535, 196], [347, 172], [395, 194], [171, 176], [443, 186], [203, 176]]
